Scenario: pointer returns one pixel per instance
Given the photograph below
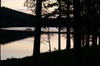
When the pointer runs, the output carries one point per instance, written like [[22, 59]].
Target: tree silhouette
[[89, 18], [0, 53], [68, 27], [49, 41], [77, 34], [46, 4], [61, 11], [82, 39], [36, 51], [59, 39], [94, 28], [99, 23]]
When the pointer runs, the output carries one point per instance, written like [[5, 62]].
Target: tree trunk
[[88, 27], [59, 39], [68, 27], [0, 52], [77, 34], [36, 51], [94, 26], [83, 26], [83, 39], [49, 40], [99, 24], [87, 38], [87, 44]]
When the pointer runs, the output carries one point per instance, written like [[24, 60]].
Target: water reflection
[[17, 49], [11, 35], [24, 47]]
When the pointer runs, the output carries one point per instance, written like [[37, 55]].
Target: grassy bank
[[91, 57]]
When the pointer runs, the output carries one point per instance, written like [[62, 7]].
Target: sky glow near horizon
[[17, 5]]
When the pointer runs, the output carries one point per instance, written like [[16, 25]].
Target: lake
[[24, 47]]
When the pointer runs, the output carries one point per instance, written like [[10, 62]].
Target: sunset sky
[[15, 4]]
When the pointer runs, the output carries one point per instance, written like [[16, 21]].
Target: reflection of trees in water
[[85, 16], [84, 40], [87, 37], [48, 38]]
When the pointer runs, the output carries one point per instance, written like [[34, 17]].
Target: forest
[[86, 26]]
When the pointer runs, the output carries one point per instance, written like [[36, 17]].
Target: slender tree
[[68, 27], [88, 18], [49, 40], [36, 51], [99, 23], [82, 27], [0, 53], [59, 39], [77, 34], [83, 39], [94, 35]]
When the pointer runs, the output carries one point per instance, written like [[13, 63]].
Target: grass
[[91, 57]]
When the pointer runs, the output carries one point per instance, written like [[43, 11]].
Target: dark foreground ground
[[91, 57]]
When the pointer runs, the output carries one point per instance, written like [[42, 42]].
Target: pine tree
[[36, 51]]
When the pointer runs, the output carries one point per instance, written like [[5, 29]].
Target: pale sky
[[15, 4]]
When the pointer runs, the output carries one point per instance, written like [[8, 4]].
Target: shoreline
[[59, 58]]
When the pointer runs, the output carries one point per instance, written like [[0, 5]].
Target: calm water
[[24, 47]]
